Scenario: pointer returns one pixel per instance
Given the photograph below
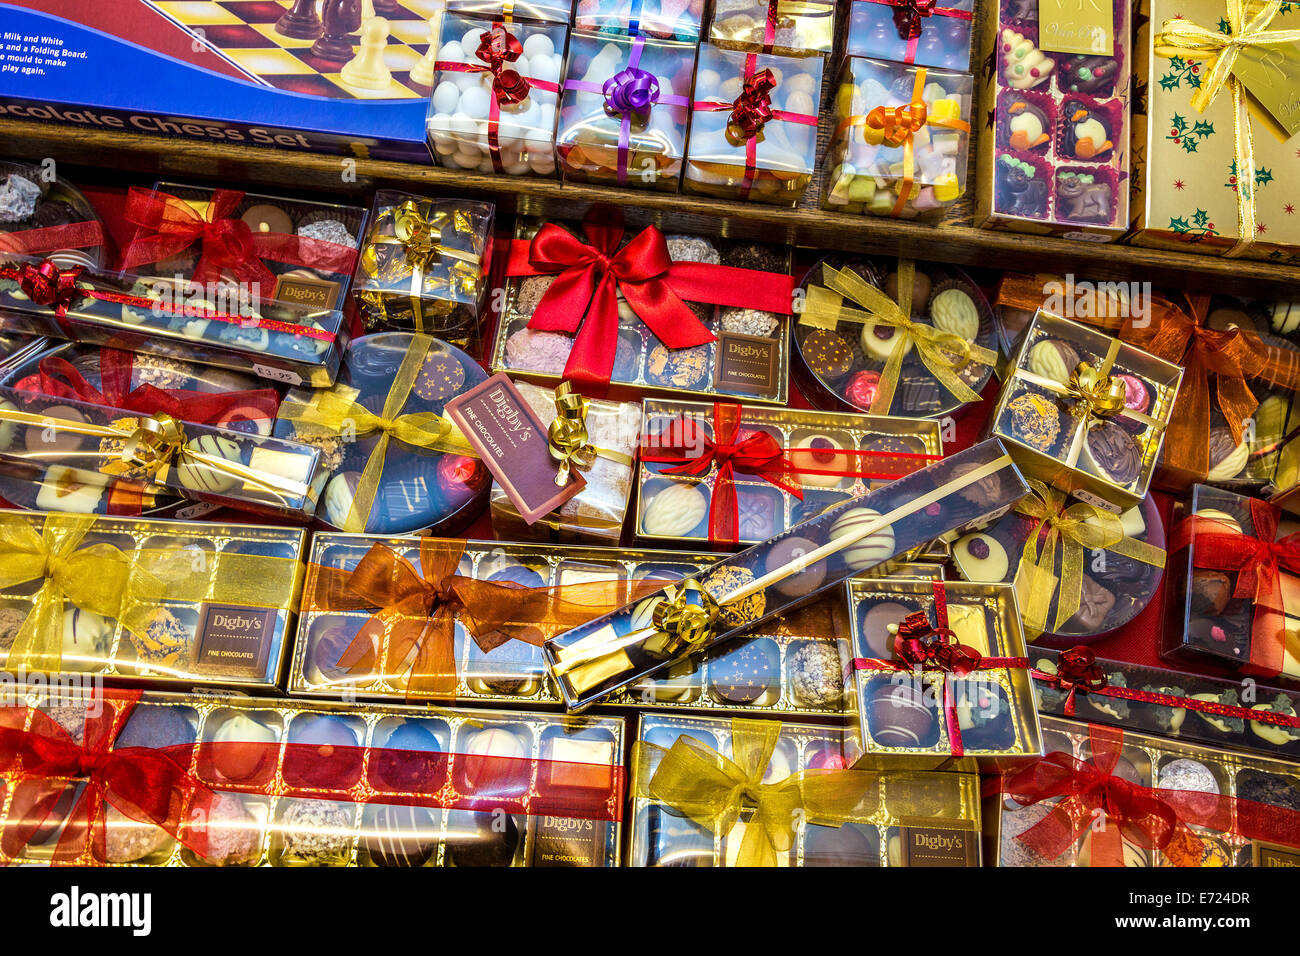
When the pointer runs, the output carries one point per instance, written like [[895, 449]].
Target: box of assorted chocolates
[[660, 21], [44, 215], [510, 75], [160, 602], [877, 164], [892, 337], [424, 267], [1109, 797], [1216, 712], [715, 323], [796, 29], [939, 674], [594, 659], [687, 809], [394, 462], [1085, 412], [753, 126], [911, 32], [296, 783], [622, 118], [151, 453], [1056, 161], [730, 474]]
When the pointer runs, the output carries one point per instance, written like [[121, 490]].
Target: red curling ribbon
[[1259, 562], [752, 109], [37, 242], [909, 17], [1076, 670], [49, 286]]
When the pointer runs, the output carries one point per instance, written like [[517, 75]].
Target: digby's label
[[233, 639], [307, 291], [747, 363], [930, 845], [1077, 26]]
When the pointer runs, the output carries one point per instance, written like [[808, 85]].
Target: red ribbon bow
[[497, 47], [49, 286], [1076, 670], [752, 109], [909, 14], [36, 242], [922, 645]]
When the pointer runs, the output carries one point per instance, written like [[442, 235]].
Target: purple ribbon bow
[[631, 90]]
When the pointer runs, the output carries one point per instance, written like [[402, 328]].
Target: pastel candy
[[675, 511], [875, 548], [199, 476]]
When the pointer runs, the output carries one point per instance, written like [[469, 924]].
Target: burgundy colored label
[[930, 845], [746, 363], [233, 639]]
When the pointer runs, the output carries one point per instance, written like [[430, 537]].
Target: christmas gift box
[[154, 453], [916, 32], [713, 791], [731, 474], [654, 19], [593, 660], [676, 315], [786, 27], [753, 126], [1085, 412], [899, 143], [939, 675], [395, 462], [424, 267], [160, 602], [444, 619], [892, 337], [169, 779], [1217, 133], [1109, 797], [1216, 712], [621, 118], [495, 91], [1056, 159], [527, 11], [42, 214]]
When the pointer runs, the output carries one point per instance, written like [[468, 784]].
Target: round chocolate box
[[839, 367], [419, 488], [29, 199]]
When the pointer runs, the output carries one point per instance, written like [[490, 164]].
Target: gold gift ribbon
[[714, 791], [567, 436], [1080, 527], [157, 444], [941, 352], [417, 228], [335, 409], [821, 12], [1183, 38]]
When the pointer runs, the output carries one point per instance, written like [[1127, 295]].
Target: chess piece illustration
[[367, 70], [339, 20], [386, 8], [301, 21], [422, 72]]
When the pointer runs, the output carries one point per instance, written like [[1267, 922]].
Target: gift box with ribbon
[[734, 474], [921, 32], [157, 452], [622, 119], [803, 28], [1216, 712], [624, 314], [939, 675], [160, 602], [528, 11], [168, 779], [424, 267], [892, 337], [1234, 597], [717, 791], [615, 650], [1103, 796], [42, 214], [753, 126], [1085, 412], [17, 346], [1080, 571], [444, 619], [1056, 158], [510, 73], [594, 438], [671, 20], [898, 147]]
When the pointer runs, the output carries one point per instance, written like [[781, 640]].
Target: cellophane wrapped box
[[875, 166], [902, 31], [797, 29], [272, 782], [163, 603], [683, 815], [44, 215], [593, 660], [529, 11], [660, 21]]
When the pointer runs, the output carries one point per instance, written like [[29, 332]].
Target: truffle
[[1113, 453], [156, 727], [1034, 420], [1210, 591], [323, 752], [241, 764], [1191, 776], [400, 836], [817, 675], [747, 673], [410, 759], [787, 549], [481, 839], [900, 717], [316, 832], [827, 353], [233, 835], [875, 627], [869, 549]]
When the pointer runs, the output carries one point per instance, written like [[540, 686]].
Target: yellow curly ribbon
[[1079, 528], [1102, 395], [715, 791], [568, 440], [941, 352], [686, 623], [1248, 30]]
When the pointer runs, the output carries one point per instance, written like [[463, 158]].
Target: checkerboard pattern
[[242, 32]]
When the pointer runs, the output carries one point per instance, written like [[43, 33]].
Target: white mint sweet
[[539, 44], [446, 96]]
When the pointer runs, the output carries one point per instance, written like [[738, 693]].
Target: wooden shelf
[[954, 241]]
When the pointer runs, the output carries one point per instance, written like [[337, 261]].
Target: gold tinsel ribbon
[[1191, 41], [715, 791], [568, 440], [941, 352], [336, 410], [1079, 528]]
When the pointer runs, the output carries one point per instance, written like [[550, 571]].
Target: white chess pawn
[[367, 70], [422, 72]]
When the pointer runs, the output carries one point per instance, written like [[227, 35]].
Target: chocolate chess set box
[[307, 76]]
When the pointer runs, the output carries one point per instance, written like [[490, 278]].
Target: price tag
[[277, 374]]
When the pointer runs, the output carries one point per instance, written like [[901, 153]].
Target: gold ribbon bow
[[1079, 528], [568, 440], [716, 792], [336, 412], [686, 623], [1247, 31], [1101, 395], [942, 353]]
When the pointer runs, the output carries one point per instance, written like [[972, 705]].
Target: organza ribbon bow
[[49, 286]]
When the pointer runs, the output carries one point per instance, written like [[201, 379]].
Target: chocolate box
[[45, 215], [677, 21], [529, 11], [802, 29]]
